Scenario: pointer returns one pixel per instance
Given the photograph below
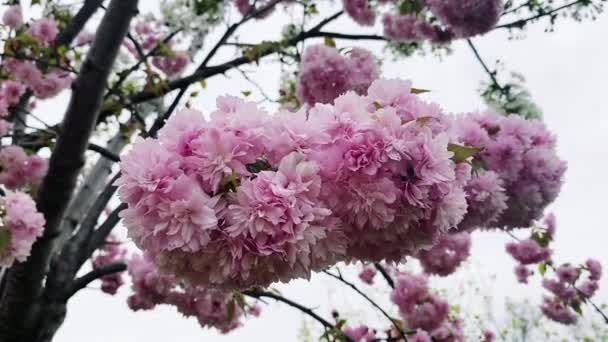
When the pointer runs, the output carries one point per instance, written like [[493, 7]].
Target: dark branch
[[490, 73], [266, 294], [385, 274], [346, 36], [99, 236], [96, 273], [104, 152], [77, 24], [371, 301]]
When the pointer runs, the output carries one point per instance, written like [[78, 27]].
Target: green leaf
[[409, 7], [419, 91], [203, 84], [541, 238], [35, 2], [462, 153], [577, 307], [542, 268], [5, 238], [329, 41], [246, 93]]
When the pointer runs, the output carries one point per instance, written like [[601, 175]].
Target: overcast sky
[[566, 72]]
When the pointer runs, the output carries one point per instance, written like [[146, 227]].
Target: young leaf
[[462, 153], [542, 268], [419, 91], [329, 41]]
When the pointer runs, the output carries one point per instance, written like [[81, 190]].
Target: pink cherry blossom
[[44, 30], [22, 224], [13, 17]]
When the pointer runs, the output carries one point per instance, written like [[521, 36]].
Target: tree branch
[[522, 22], [97, 273], [78, 22], [24, 283], [385, 274], [206, 72], [490, 73], [104, 152], [371, 301], [266, 294]]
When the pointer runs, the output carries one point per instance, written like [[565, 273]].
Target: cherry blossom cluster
[[212, 308], [424, 311], [521, 171], [246, 199], [570, 288], [18, 169], [26, 49], [444, 257], [437, 21], [20, 225], [326, 74], [111, 252]]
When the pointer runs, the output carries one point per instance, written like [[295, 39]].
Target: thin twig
[[521, 22], [385, 274], [261, 294], [371, 301]]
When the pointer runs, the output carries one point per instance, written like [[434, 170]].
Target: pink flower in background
[[467, 17], [19, 169], [52, 84], [528, 252], [421, 336], [522, 273], [367, 274], [325, 74], [558, 312], [488, 335], [111, 252], [446, 255], [595, 269], [12, 91], [211, 308], [173, 65], [522, 153], [360, 11], [44, 30], [13, 17], [567, 273], [22, 225], [409, 290], [412, 28], [5, 127], [360, 334]]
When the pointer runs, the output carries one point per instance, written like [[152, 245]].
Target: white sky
[[566, 73]]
